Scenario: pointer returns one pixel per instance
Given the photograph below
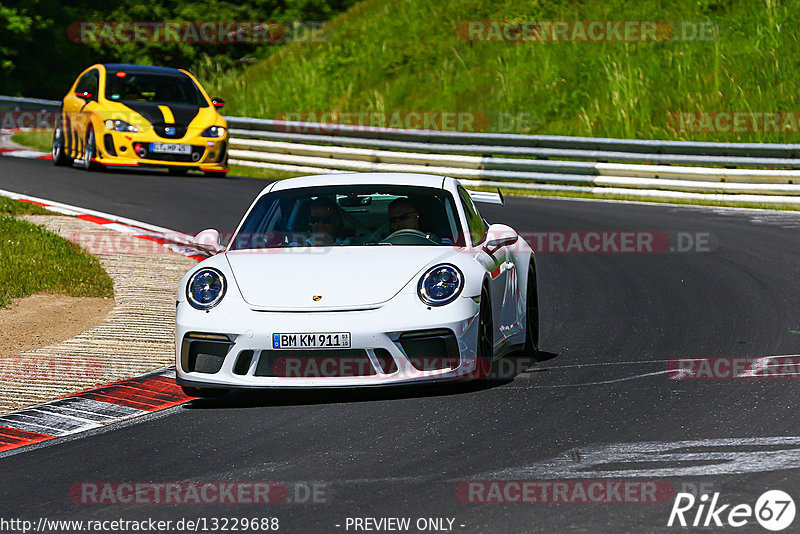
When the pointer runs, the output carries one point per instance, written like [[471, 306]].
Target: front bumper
[[118, 149], [389, 345]]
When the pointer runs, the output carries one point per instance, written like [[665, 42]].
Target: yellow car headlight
[[120, 126], [214, 131]]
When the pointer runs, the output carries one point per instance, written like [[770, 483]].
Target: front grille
[[314, 363], [177, 130], [430, 350], [203, 356]]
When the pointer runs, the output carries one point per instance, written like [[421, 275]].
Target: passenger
[[325, 223]]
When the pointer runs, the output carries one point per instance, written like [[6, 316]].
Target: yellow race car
[[134, 115]]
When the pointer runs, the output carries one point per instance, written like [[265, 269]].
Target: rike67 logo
[[774, 510]]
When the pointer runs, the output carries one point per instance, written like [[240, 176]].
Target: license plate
[[170, 148], [332, 340]]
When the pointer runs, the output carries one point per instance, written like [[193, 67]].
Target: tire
[[531, 315], [90, 151], [206, 393], [485, 348], [178, 171], [214, 174], [60, 158]]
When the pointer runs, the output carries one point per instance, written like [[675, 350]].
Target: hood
[[153, 112], [344, 277], [154, 115]]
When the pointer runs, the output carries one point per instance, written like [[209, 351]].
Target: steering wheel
[[408, 236]]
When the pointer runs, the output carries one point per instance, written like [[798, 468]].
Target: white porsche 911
[[356, 280]]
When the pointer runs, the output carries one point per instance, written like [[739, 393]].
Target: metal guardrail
[[638, 167], [599, 144], [14, 101]]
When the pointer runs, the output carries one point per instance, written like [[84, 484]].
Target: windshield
[[161, 88], [348, 215]]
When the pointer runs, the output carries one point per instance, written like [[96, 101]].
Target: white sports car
[[356, 280]]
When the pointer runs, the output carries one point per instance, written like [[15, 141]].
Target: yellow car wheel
[[90, 152]]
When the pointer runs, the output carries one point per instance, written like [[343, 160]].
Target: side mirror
[[86, 95], [208, 240], [499, 236], [217, 102]]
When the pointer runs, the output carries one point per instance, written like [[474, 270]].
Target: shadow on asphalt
[[156, 171], [508, 369]]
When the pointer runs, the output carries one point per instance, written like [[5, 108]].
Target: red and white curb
[[90, 409], [112, 402], [24, 153]]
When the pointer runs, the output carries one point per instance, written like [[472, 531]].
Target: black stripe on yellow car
[[181, 114]]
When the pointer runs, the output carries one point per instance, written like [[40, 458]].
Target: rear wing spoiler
[[487, 198]]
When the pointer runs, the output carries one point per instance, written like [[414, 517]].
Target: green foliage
[[383, 55], [40, 56]]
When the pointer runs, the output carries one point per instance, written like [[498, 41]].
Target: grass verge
[[36, 140], [33, 260]]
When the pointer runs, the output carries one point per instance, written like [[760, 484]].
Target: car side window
[[89, 82], [477, 228]]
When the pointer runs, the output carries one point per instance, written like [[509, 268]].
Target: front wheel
[[531, 315], [60, 157], [90, 152], [485, 360]]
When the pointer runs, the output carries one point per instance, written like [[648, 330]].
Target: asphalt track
[[609, 324]]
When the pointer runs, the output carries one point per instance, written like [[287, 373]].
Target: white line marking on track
[[704, 457], [615, 380]]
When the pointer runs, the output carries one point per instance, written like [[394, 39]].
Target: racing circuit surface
[[610, 322]]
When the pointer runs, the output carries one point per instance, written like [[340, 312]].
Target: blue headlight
[[440, 285], [206, 288]]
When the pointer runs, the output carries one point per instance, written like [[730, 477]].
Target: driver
[[403, 215]]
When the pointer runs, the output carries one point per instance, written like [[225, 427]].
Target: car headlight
[[206, 288], [440, 285], [214, 131], [120, 126]]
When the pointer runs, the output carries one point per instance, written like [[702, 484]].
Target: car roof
[[361, 178], [142, 69]]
